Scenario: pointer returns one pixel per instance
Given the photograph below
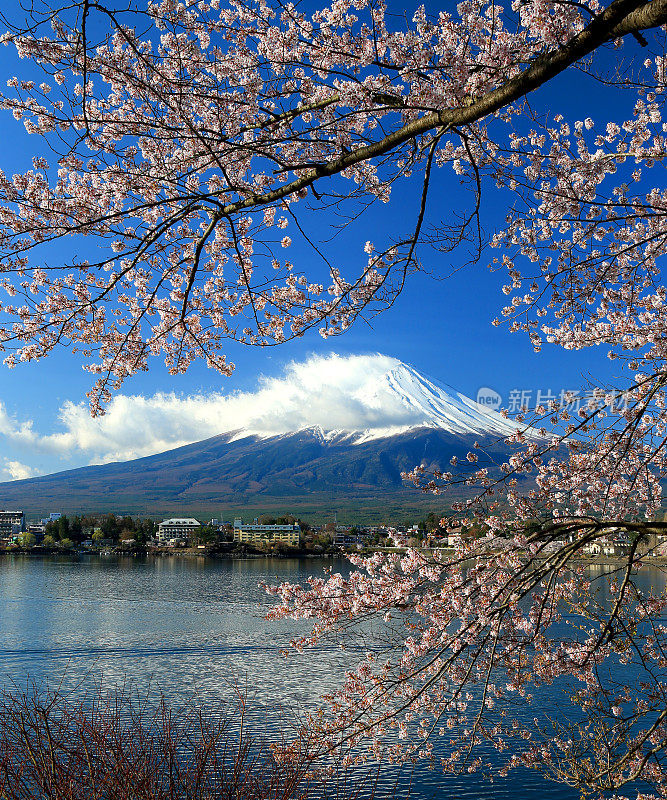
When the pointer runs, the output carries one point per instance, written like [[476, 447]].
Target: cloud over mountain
[[15, 470], [374, 394], [327, 391]]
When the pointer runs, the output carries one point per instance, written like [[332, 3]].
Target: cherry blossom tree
[[180, 138], [188, 144]]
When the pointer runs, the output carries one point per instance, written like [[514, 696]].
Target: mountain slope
[[230, 471]]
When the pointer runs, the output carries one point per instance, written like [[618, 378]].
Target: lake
[[181, 625]]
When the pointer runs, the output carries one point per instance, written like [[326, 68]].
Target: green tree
[[48, 540], [146, 528], [76, 530], [51, 529], [28, 539], [110, 527], [208, 534], [62, 527], [140, 536], [432, 521], [66, 544]]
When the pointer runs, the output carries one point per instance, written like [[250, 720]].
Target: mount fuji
[[401, 419]]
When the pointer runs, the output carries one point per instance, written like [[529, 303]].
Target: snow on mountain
[[391, 397], [432, 405], [361, 398]]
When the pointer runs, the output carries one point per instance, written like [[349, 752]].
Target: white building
[[177, 528], [614, 544], [266, 534]]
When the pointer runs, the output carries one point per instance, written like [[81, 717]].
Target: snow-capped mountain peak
[[439, 406], [337, 398], [361, 398]]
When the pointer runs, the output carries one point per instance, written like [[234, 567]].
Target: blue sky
[[442, 327]]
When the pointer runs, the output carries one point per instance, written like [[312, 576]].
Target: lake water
[[191, 625]]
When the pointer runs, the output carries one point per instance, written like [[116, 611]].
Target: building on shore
[[347, 536], [38, 530], [12, 523], [182, 528], [254, 533], [614, 542], [54, 516]]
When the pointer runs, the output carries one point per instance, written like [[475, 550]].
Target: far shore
[[235, 554], [166, 552]]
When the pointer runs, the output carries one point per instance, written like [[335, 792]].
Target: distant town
[[286, 535]]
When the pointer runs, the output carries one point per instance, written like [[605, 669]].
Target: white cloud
[[15, 471], [334, 392]]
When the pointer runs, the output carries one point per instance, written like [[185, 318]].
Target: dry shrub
[[118, 746]]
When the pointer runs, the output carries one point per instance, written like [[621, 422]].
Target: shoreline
[[232, 555], [250, 555]]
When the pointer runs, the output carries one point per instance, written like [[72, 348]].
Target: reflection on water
[[185, 625]]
